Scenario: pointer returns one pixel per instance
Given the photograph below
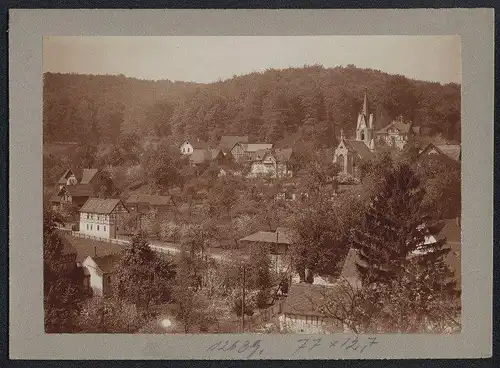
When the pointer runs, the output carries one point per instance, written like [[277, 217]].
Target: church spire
[[365, 104]]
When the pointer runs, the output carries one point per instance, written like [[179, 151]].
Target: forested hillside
[[307, 104]]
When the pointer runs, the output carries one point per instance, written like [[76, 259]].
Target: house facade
[[72, 195], [397, 134], [77, 176], [101, 217], [244, 152], [189, 145], [275, 163], [100, 271]]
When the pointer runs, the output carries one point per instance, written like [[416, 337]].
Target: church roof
[[359, 147]]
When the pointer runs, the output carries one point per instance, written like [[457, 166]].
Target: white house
[[101, 271], [101, 217], [189, 145]]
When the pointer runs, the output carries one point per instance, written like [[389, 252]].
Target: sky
[[207, 59]]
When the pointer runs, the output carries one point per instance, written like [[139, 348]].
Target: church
[[350, 152]]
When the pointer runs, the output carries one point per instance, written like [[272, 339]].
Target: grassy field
[[89, 247]]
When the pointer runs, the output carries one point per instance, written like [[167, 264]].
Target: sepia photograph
[[252, 184]]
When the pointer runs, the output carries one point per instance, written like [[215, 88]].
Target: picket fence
[[78, 234], [265, 315]]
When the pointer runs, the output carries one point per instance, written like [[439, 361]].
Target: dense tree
[[103, 185], [312, 103], [162, 166], [395, 227], [62, 283], [109, 315], [143, 278], [322, 233]]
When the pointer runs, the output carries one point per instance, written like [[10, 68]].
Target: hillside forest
[[309, 104]]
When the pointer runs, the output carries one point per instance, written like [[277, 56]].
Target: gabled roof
[[152, 200], [453, 151], [254, 147], [403, 127], [200, 155], [83, 176], [88, 175], [281, 236], [79, 190], [100, 205], [196, 143], [228, 141], [259, 154], [283, 154], [359, 147], [106, 263], [306, 299]]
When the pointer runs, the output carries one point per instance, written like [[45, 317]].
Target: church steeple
[[365, 110]]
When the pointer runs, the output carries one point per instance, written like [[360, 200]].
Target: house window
[[87, 226], [97, 227], [87, 215], [104, 227], [90, 226], [362, 135]]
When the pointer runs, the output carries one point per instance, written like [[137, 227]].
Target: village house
[[72, 195], [199, 157], [145, 203], [190, 145], [227, 142], [243, 152], [77, 176], [277, 242], [100, 271], [397, 134], [272, 163], [301, 310], [450, 152], [101, 217]]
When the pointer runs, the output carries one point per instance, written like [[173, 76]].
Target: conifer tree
[[397, 227]]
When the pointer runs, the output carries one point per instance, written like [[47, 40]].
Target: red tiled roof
[[200, 155], [153, 200], [453, 151], [80, 190], [254, 147], [397, 124], [107, 263], [100, 205], [282, 236], [306, 299], [228, 141], [196, 143], [83, 176]]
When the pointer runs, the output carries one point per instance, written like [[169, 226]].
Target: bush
[[346, 179], [170, 231]]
